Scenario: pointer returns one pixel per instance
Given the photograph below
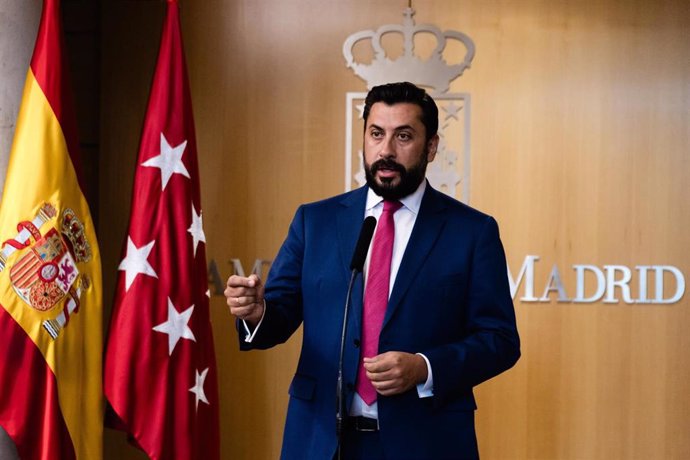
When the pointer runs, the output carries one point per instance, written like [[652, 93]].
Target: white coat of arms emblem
[[450, 171]]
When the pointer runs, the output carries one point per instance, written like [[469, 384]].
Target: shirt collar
[[412, 201]]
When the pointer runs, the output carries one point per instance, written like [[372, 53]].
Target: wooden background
[[580, 137]]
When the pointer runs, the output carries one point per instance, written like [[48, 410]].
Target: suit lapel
[[427, 228], [349, 220]]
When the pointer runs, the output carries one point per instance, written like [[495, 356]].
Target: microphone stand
[[340, 397], [356, 266]]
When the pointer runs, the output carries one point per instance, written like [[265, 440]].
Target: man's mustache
[[389, 164]]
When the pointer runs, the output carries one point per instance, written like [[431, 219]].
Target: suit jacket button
[[356, 342], [350, 387]]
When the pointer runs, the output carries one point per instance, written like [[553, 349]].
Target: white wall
[[18, 27]]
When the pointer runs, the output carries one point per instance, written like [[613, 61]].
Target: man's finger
[[382, 376], [254, 280], [244, 300], [385, 386], [240, 292], [378, 363], [239, 281], [242, 310]]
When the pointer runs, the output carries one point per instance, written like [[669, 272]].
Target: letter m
[[216, 280], [527, 272]]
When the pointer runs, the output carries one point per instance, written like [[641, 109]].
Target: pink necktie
[[376, 295]]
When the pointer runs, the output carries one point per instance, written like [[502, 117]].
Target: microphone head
[[365, 235]]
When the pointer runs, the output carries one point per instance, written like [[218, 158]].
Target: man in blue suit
[[448, 324]]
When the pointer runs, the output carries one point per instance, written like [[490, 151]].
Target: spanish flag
[[51, 401]]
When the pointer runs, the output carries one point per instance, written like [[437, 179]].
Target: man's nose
[[387, 149]]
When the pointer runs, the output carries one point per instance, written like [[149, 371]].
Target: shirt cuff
[[249, 334], [426, 389]]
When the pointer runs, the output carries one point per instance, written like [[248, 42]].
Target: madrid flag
[[51, 401], [160, 370]]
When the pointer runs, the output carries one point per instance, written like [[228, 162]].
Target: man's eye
[[404, 136], [376, 134]]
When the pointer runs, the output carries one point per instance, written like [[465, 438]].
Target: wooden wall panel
[[580, 136]]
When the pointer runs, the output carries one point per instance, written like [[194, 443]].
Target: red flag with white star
[[160, 369]]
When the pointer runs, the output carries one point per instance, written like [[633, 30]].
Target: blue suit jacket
[[450, 301]]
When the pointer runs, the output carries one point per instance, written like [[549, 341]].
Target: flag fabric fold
[[51, 403], [160, 370]]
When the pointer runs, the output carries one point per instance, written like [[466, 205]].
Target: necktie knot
[[391, 206]]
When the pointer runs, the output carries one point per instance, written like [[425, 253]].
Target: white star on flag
[[196, 229], [198, 388], [169, 313], [136, 262], [169, 161], [176, 326]]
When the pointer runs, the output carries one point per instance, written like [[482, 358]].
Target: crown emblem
[[73, 230], [434, 72]]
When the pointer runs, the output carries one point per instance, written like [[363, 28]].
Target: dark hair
[[394, 93]]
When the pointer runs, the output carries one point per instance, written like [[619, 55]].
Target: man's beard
[[409, 179]]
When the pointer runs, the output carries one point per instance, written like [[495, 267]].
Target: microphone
[[356, 266], [365, 234]]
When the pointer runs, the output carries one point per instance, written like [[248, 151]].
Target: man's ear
[[432, 147]]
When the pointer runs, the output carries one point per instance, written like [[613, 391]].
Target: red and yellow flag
[[51, 402], [160, 368]]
